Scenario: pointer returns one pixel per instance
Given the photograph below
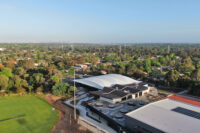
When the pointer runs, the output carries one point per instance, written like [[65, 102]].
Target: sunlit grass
[[26, 114]]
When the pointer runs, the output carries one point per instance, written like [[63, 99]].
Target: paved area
[[83, 112], [66, 122], [117, 111]]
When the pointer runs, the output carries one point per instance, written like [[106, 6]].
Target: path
[[66, 122]]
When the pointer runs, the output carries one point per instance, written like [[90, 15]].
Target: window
[[140, 93], [142, 130], [130, 97], [136, 95], [123, 99]]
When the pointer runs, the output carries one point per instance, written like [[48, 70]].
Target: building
[[175, 114], [107, 80], [80, 67], [119, 93], [115, 88], [2, 49], [103, 72]]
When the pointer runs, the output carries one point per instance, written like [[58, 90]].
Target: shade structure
[[108, 80]]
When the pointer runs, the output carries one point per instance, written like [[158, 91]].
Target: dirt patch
[[66, 123]]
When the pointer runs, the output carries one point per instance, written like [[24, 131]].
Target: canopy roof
[[107, 80]]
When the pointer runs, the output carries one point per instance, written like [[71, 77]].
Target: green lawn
[[26, 114]]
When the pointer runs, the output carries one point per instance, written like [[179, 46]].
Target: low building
[[80, 67], [98, 61], [36, 64], [2, 49], [175, 114], [115, 88], [88, 64], [119, 93], [103, 72]]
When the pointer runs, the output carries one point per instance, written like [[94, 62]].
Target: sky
[[100, 21]]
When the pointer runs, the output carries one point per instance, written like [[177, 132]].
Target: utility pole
[[168, 50], [120, 50], [125, 52], [74, 97], [72, 47]]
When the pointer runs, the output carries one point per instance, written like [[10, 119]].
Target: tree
[[137, 73], [186, 66], [162, 60], [4, 82], [198, 64], [196, 75], [172, 56], [171, 77], [27, 64], [17, 81], [71, 89], [184, 81], [39, 89], [7, 72], [60, 88], [120, 68], [37, 79], [130, 68], [30, 88], [21, 91], [53, 71], [80, 60], [155, 63], [61, 65], [71, 71], [110, 69], [55, 79], [19, 71], [147, 65]]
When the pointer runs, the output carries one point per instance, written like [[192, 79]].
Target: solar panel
[[187, 112]]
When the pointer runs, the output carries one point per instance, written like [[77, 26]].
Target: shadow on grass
[[23, 122], [10, 118]]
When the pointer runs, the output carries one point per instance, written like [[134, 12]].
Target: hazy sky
[[100, 21]]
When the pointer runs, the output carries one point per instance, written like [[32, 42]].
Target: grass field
[[26, 114]]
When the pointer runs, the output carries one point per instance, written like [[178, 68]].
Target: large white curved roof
[[107, 80]]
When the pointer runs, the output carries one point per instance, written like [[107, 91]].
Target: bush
[[21, 91], [59, 89], [39, 90]]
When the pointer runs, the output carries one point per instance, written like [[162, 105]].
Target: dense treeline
[[41, 67]]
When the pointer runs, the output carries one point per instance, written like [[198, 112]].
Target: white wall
[[133, 96], [109, 100]]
